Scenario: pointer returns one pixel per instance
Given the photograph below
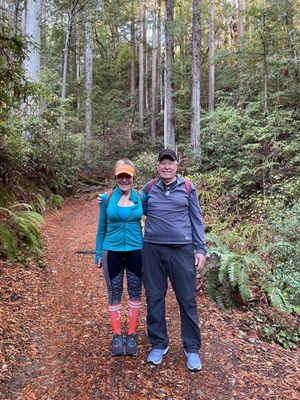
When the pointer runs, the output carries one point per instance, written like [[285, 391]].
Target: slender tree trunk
[[169, 119], [240, 33], [132, 67], [43, 26], [31, 16], [66, 67], [195, 120], [159, 58], [141, 65], [211, 74], [78, 65], [88, 90], [154, 72]]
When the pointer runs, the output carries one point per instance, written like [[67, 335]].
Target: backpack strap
[[188, 188], [187, 185], [109, 193], [151, 184]]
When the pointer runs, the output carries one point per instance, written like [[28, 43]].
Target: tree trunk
[[195, 120], [132, 67], [65, 67], [159, 58], [211, 74], [240, 33], [88, 90], [31, 16], [141, 65], [154, 72], [169, 120], [78, 64]]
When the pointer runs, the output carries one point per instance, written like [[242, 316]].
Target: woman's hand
[[99, 198]]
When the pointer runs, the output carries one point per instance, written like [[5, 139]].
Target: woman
[[118, 248]]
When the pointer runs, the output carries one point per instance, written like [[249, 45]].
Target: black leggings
[[114, 265]]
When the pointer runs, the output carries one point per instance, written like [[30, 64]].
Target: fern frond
[[244, 284], [8, 241], [233, 272]]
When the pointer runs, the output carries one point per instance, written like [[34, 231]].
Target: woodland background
[[83, 83]]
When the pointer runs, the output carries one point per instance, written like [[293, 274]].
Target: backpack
[[187, 185]]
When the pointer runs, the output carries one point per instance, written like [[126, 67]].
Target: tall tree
[[133, 56], [141, 65], [154, 72], [88, 88], [169, 118], [31, 28], [72, 11], [211, 72], [195, 118]]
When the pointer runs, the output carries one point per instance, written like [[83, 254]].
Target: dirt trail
[[72, 336]]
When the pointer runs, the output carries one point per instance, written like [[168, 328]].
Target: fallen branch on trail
[[85, 252]]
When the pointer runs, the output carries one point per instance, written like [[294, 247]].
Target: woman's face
[[124, 182]]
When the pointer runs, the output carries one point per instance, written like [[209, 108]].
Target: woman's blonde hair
[[124, 161]]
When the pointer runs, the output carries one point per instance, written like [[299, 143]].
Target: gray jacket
[[175, 217]]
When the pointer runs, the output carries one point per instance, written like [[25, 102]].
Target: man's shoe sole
[[159, 362]]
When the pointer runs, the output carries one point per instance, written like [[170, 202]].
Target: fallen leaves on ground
[[56, 335]]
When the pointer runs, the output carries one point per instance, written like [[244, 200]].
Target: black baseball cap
[[167, 153]]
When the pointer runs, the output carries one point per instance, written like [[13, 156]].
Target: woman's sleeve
[[102, 224]]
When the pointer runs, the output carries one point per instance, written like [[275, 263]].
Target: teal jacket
[[113, 232]]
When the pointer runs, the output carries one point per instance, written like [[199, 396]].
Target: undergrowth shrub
[[20, 224]]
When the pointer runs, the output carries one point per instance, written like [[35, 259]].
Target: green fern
[[23, 223], [8, 241], [56, 201]]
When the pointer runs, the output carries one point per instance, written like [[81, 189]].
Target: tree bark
[[211, 74], [132, 66], [154, 72], [169, 120], [195, 120], [88, 90], [31, 28], [141, 65]]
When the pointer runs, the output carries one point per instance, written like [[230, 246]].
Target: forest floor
[[55, 334]]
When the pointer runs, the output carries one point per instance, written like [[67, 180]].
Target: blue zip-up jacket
[[175, 218], [113, 232]]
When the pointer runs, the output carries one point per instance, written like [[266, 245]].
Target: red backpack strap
[[151, 184], [188, 188], [141, 197], [109, 193]]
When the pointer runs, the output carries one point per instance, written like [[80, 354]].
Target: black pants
[[114, 265], [161, 262]]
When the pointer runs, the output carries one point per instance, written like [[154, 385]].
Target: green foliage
[[284, 252], [56, 201], [277, 327], [8, 242], [228, 278], [146, 166], [20, 224]]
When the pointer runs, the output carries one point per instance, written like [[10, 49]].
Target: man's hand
[[199, 261], [99, 264]]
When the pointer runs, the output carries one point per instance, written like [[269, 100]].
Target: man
[[173, 230]]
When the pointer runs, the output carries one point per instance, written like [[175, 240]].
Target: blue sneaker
[[156, 355], [193, 361]]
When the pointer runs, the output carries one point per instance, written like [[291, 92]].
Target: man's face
[[167, 169]]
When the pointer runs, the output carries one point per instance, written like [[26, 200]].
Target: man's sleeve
[[197, 222]]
